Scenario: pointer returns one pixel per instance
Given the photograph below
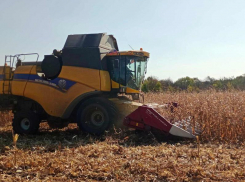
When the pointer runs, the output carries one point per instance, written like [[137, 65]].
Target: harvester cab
[[80, 83], [127, 70]]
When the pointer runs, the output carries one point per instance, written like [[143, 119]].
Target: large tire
[[25, 122], [95, 115]]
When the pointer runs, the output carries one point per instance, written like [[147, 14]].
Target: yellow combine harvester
[[74, 84], [80, 84]]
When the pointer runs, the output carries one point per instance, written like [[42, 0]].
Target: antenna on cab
[[130, 47]]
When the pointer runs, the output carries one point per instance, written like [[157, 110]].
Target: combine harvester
[[81, 84]]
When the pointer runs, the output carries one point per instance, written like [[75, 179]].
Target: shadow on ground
[[71, 137]]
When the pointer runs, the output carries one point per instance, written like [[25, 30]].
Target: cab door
[[117, 72]]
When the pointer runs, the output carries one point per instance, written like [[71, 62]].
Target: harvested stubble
[[69, 155], [221, 114], [5, 118]]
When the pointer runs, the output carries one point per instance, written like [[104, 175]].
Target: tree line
[[193, 84]]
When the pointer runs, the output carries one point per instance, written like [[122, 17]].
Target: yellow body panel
[[114, 84], [1, 87], [8, 75], [8, 72], [1, 82], [18, 86], [54, 102], [105, 81], [1, 69], [86, 76], [6, 87], [131, 91], [34, 70], [128, 89], [23, 69]]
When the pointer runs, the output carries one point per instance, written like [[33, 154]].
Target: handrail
[[18, 55]]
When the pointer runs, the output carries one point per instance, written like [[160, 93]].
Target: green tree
[[171, 88], [218, 85], [183, 83], [166, 83], [152, 81], [157, 87], [190, 88], [144, 87]]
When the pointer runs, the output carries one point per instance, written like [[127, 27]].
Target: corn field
[[221, 114], [70, 155]]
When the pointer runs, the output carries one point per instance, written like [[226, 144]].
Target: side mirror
[[116, 63]]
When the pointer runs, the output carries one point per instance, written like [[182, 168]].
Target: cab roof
[[129, 53]]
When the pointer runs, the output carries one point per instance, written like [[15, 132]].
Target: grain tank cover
[[86, 50], [91, 40]]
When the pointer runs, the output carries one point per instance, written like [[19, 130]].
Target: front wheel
[[25, 122], [95, 115]]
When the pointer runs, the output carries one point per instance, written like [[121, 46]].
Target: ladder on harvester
[[7, 74], [9, 67]]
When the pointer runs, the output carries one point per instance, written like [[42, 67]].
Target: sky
[[184, 37]]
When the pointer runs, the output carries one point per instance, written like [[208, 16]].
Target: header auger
[[81, 84]]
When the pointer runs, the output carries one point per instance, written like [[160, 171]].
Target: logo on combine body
[[62, 84]]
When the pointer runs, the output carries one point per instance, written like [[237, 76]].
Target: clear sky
[[184, 37]]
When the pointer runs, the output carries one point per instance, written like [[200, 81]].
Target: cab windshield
[[130, 70], [135, 71]]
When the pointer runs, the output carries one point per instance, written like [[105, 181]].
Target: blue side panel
[[21, 76], [58, 83]]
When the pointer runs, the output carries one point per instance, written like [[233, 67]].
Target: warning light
[[141, 49]]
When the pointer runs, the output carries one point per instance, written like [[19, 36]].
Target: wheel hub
[[25, 124], [97, 118]]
